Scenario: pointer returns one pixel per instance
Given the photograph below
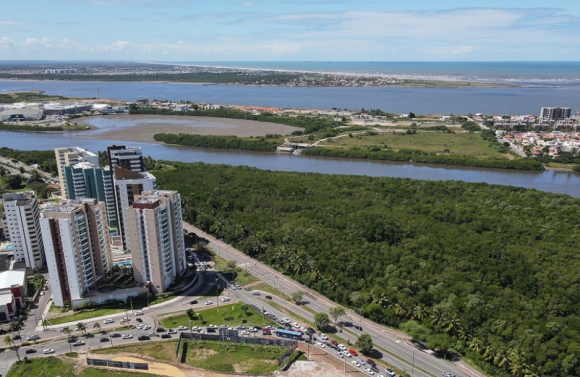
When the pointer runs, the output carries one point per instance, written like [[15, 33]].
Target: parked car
[[266, 332], [30, 350], [48, 350], [390, 373]]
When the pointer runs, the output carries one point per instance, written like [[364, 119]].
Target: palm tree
[[488, 353], [476, 345], [66, 330], [400, 310], [437, 317], [8, 340], [81, 327], [451, 324], [420, 312], [518, 363], [501, 357], [532, 371], [97, 326]]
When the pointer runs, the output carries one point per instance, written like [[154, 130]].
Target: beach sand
[[141, 128]]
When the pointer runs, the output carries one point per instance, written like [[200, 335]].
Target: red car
[[352, 352], [266, 332], [334, 343], [371, 362]]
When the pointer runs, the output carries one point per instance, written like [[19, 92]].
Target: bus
[[283, 333]]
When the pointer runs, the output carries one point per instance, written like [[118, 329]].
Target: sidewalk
[[195, 286]]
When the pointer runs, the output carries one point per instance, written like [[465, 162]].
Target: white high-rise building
[[129, 184], [155, 238], [68, 156], [21, 210], [78, 247]]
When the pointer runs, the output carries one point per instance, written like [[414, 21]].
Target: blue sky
[[290, 30]]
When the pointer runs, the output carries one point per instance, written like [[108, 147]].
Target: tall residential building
[[555, 113], [68, 156], [130, 158], [21, 210], [78, 247], [86, 180], [129, 184], [155, 238]]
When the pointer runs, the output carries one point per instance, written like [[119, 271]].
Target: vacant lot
[[63, 367], [231, 315], [428, 141]]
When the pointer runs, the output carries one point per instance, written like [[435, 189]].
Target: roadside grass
[[63, 367], [244, 277], [164, 350], [226, 315], [427, 141], [268, 288], [233, 358]]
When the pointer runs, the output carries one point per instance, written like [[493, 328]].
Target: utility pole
[[131, 301], [413, 365]]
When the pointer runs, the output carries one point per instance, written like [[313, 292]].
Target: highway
[[400, 353]]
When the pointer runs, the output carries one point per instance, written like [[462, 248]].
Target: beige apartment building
[[68, 156], [78, 247], [155, 238]]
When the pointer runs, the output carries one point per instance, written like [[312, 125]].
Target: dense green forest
[[218, 142], [35, 182], [412, 155], [46, 159], [487, 271]]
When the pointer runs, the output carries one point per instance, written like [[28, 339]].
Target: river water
[[551, 181]]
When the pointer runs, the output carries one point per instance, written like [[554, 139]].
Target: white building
[[23, 229], [78, 247], [68, 156]]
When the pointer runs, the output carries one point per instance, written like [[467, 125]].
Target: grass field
[[164, 350], [268, 288], [438, 142], [52, 366], [225, 315], [242, 277], [233, 358]]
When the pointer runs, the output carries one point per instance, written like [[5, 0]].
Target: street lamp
[[111, 339], [190, 329], [68, 341], [360, 315]]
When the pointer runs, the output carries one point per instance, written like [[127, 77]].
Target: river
[[551, 181]]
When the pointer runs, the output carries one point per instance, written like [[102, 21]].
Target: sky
[[290, 30]]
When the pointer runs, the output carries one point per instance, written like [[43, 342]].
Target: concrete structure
[[59, 109], [129, 184], [78, 247], [555, 113], [130, 158], [155, 238], [68, 156], [13, 291], [27, 113], [22, 214], [85, 180]]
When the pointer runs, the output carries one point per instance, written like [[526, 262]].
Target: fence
[[288, 353], [117, 364], [232, 336]]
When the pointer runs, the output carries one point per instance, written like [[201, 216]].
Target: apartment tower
[[68, 156], [23, 229], [155, 238], [78, 247]]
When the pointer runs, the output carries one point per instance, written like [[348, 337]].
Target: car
[[321, 345], [172, 331], [256, 294], [125, 319], [339, 354], [107, 321], [127, 336], [346, 354], [139, 312], [209, 303], [48, 350], [104, 339], [115, 335], [322, 336], [181, 328], [447, 374], [390, 373], [295, 325], [224, 299], [371, 362], [160, 329], [253, 329], [269, 297], [143, 337], [266, 332], [140, 327], [30, 350], [245, 332], [32, 337], [193, 302], [355, 363], [147, 327], [79, 343], [258, 327], [42, 293], [342, 347], [241, 327], [361, 361], [224, 326], [196, 328], [369, 371], [165, 336], [153, 334], [310, 330], [139, 320], [352, 352], [211, 329]]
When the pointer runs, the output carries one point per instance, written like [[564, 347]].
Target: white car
[[33, 337], [369, 371], [342, 347], [171, 331], [355, 363], [245, 332], [209, 303], [390, 373], [346, 354], [224, 299], [322, 336], [153, 334], [196, 328], [146, 327], [42, 293], [295, 325], [321, 345], [107, 321], [253, 329], [48, 350], [127, 336], [79, 343], [339, 354], [181, 328], [125, 319], [361, 361], [139, 312]]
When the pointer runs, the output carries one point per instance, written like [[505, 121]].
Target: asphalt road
[[400, 354]]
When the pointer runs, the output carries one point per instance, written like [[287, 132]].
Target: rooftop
[[9, 278]]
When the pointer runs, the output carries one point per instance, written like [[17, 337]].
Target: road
[[400, 353]]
